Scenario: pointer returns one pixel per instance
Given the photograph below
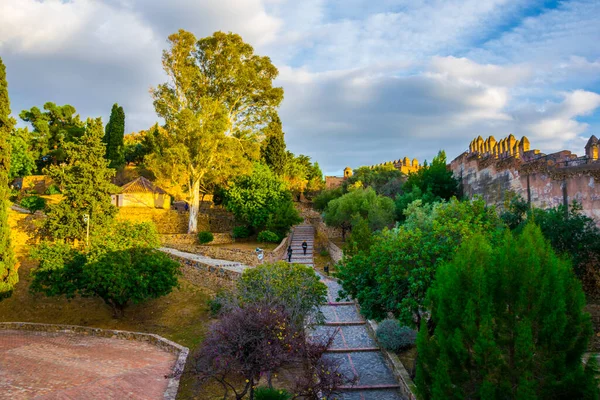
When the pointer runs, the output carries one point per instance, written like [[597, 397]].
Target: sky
[[365, 81]]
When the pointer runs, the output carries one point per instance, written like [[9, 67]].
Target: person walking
[[289, 253], [304, 246]]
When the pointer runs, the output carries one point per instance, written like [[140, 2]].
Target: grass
[[248, 245]]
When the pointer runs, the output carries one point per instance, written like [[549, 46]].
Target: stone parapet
[[150, 338], [335, 252], [190, 238]]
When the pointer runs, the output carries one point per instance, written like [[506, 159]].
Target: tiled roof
[[141, 185]]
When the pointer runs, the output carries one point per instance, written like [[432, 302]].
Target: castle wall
[[545, 180]]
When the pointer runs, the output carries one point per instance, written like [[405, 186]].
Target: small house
[[142, 193]]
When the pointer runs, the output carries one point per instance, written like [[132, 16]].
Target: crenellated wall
[[494, 170]]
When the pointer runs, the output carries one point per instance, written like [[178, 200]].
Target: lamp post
[[86, 219]]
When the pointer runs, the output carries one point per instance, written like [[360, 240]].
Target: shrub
[[394, 337], [33, 203], [205, 237], [324, 252], [265, 393], [268, 236], [240, 232], [53, 189]]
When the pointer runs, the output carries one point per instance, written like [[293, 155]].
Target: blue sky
[[365, 81]]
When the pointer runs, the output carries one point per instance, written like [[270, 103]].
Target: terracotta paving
[[55, 366]]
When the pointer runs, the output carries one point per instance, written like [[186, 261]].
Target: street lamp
[[86, 219]]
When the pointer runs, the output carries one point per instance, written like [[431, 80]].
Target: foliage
[[34, 203], [301, 175], [508, 323], [386, 180], [122, 235], [22, 159], [295, 286], [113, 138], [259, 199], [240, 232], [138, 145], [394, 274], [265, 393], [119, 277], [52, 131], [515, 213], [205, 237], [394, 337], [85, 184], [360, 238], [346, 211], [273, 147], [218, 97], [268, 236], [8, 268], [431, 183], [322, 200], [53, 189]]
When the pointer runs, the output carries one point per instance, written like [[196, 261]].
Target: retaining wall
[[150, 338]]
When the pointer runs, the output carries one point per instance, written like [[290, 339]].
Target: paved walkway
[[46, 366], [225, 264], [353, 345]]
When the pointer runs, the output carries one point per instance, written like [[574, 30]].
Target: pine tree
[[113, 138], [8, 271], [85, 184], [273, 151], [509, 323]]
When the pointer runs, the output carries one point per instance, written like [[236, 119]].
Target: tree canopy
[[8, 268], [85, 184], [386, 180], [113, 138], [509, 323], [273, 147], [22, 159], [218, 98]]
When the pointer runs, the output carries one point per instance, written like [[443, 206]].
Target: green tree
[[52, 131], [431, 183], [509, 324], [347, 210], [260, 200], [113, 138], [22, 159], [386, 180], [8, 268], [273, 147], [85, 184], [218, 97], [296, 287], [395, 272], [322, 200]]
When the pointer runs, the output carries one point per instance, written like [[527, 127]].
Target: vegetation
[[394, 274], [273, 148], [385, 180], [205, 237], [218, 96], [322, 199], [268, 236], [8, 268], [261, 200], [34, 203], [265, 393], [508, 323], [85, 184], [22, 159], [394, 337], [302, 176], [346, 211], [432, 183], [240, 232], [113, 138]]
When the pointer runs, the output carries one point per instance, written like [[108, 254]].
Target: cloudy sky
[[365, 81]]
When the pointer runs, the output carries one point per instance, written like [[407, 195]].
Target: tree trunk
[[194, 207]]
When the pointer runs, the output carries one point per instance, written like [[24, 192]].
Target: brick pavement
[[53, 366]]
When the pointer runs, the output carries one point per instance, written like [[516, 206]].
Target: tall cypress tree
[[113, 138], [8, 270], [273, 151]]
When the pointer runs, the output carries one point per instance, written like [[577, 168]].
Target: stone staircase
[[355, 349]]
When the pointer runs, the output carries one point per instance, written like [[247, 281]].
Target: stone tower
[[591, 148], [347, 172]]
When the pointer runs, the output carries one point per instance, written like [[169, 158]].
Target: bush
[[394, 337], [33, 203], [324, 252], [268, 236], [52, 189], [205, 237], [265, 393], [240, 232]]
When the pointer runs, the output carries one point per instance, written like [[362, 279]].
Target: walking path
[[353, 345], [213, 262]]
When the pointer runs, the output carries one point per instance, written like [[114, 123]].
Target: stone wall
[[215, 219], [186, 238], [207, 276], [155, 340], [594, 310], [335, 252], [544, 180]]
